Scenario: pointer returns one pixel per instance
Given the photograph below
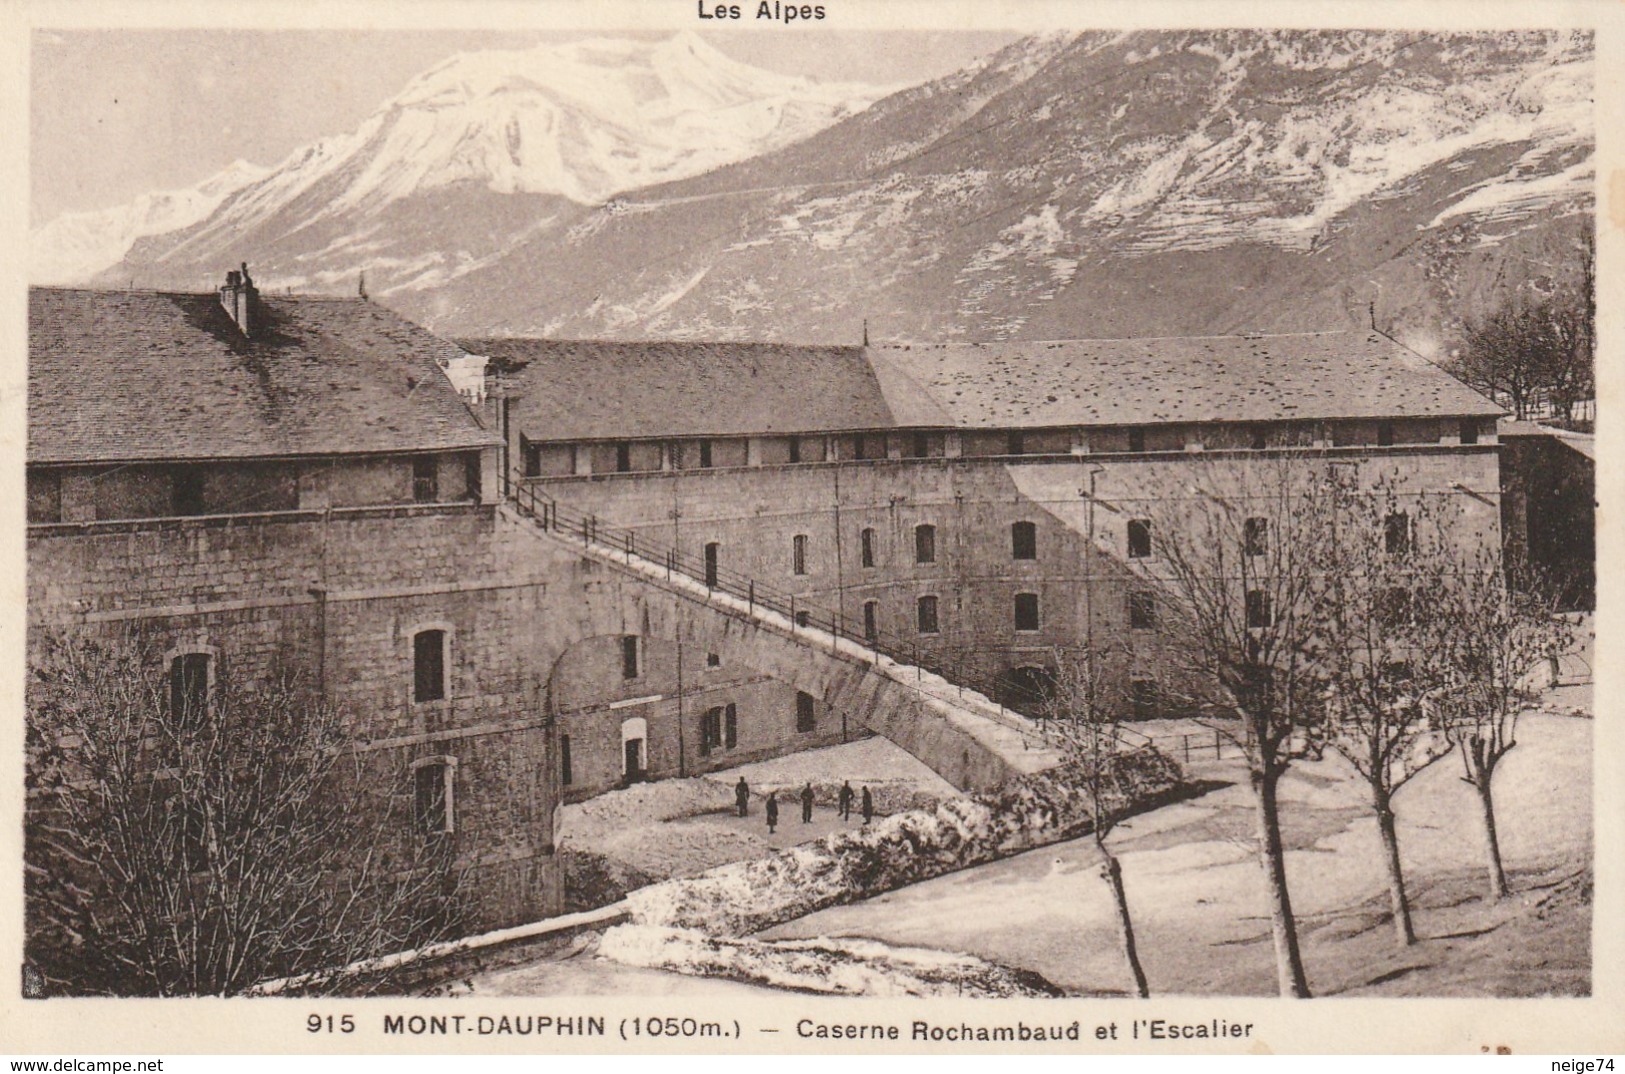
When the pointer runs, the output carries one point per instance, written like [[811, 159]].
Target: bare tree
[[1235, 574], [1503, 628], [1081, 718], [1539, 346], [185, 845], [1385, 567]]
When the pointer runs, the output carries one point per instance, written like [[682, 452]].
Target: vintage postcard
[[779, 527]]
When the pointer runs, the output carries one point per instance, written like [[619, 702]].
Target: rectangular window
[[795, 449], [710, 731], [871, 625], [705, 454], [429, 665], [1143, 696], [1023, 540], [189, 686], [1260, 438], [432, 786], [623, 457], [921, 446], [44, 496], [566, 774], [1256, 536], [1396, 534], [532, 456], [1259, 614], [866, 548], [798, 554], [925, 544], [712, 552], [1385, 434], [1026, 611], [803, 618], [1142, 610], [926, 613], [1015, 443], [629, 656], [1139, 538], [1469, 431], [187, 483], [425, 479], [806, 716], [730, 726], [1136, 439], [713, 660], [1394, 607]]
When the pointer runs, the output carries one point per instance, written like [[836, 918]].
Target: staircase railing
[[958, 671]]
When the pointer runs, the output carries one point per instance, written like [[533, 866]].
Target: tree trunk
[[1113, 874], [1396, 878], [1272, 857], [1492, 846]]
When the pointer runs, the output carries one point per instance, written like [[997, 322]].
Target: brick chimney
[[239, 297]]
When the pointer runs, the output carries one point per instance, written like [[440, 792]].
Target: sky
[[119, 113]]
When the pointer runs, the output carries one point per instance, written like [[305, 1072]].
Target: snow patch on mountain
[[583, 120], [79, 244]]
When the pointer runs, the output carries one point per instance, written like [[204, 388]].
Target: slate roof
[[1316, 375], [592, 390], [1584, 443], [126, 375], [576, 390]]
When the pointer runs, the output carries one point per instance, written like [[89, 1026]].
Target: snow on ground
[[1195, 887], [830, 967], [679, 827]]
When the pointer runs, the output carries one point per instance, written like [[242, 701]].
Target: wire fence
[[961, 670]]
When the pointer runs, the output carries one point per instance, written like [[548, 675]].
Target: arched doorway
[[634, 749], [1028, 689]]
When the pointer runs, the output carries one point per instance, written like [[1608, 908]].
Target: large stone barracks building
[[580, 581]]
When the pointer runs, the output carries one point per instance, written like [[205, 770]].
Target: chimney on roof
[[239, 297]]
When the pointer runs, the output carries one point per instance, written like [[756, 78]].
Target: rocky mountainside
[[1091, 184], [1103, 185], [478, 153]]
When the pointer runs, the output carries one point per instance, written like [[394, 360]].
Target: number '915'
[[328, 1023]]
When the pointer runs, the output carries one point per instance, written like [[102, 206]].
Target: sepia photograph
[[756, 510]]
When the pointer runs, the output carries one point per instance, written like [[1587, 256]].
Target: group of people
[[843, 803]]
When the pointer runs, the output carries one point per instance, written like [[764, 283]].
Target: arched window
[[1139, 538], [926, 615], [434, 783], [925, 544], [1023, 540], [1026, 611], [191, 683], [429, 665], [806, 713]]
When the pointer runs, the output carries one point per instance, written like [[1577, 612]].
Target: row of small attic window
[[643, 456]]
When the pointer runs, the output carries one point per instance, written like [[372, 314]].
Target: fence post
[[792, 613], [1218, 745], [1185, 741]]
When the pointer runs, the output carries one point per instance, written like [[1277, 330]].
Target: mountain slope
[[1096, 185], [485, 146]]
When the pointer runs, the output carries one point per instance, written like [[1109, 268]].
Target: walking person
[[772, 811], [742, 796], [806, 803], [845, 801], [868, 806]]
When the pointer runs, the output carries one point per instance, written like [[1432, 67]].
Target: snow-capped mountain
[[1104, 184], [75, 246], [512, 133]]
